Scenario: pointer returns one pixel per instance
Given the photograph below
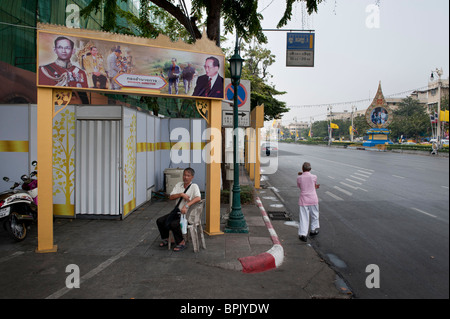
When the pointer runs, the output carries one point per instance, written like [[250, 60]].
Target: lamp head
[[236, 63]]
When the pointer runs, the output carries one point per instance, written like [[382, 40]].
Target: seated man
[[187, 194]]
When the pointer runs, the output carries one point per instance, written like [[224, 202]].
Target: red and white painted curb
[[271, 259]]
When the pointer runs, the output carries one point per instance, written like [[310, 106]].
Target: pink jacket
[[307, 184]]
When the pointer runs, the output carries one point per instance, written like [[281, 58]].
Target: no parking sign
[[242, 94], [243, 104]]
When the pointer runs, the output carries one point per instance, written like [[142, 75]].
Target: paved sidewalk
[[121, 259]]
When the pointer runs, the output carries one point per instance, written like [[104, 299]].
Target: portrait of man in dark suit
[[210, 84]]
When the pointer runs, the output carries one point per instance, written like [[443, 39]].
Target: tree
[[360, 125], [320, 129], [240, 14], [410, 120], [174, 21], [257, 61]]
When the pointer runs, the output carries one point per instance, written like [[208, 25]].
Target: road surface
[[381, 213]]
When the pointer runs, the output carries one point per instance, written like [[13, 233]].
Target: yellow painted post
[[246, 150], [257, 118], [45, 174], [257, 166], [214, 158], [251, 153]]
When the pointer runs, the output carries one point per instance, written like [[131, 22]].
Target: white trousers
[[307, 214]]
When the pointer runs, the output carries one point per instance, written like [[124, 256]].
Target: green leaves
[[311, 6]]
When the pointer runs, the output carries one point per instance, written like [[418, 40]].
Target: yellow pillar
[[257, 166], [251, 153], [247, 151], [257, 118], [45, 174], [213, 175]]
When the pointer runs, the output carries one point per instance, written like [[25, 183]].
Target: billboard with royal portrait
[[88, 63]]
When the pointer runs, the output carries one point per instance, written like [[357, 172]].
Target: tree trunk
[[213, 21]]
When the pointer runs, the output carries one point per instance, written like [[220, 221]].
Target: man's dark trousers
[[174, 227]]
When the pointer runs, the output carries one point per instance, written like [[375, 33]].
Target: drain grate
[[278, 216]]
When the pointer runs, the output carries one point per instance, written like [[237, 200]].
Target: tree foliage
[[170, 17], [410, 120], [257, 61], [241, 15], [311, 6]]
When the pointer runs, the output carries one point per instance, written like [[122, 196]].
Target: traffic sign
[[300, 49], [243, 119], [243, 106], [242, 94]]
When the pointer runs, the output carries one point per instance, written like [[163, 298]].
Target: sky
[[351, 58]]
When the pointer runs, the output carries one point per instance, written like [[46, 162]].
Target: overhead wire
[[356, 101]]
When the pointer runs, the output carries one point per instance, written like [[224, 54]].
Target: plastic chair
[[194, 223]]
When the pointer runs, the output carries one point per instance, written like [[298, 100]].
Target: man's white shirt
[[193, 192]]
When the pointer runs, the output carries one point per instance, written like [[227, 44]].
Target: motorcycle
[[18, 208]]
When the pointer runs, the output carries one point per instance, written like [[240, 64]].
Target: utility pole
[[330, 130], [351, 133], [438, 129]]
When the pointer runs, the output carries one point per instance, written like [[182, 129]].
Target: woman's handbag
[[176, 211]]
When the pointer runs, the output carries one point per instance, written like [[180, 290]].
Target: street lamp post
[[438, 129], [236, 221]]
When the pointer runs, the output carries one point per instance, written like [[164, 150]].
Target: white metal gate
[[98, 168]]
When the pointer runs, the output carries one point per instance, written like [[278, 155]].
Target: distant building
[[296, 127], [433, 92], [346, 115]]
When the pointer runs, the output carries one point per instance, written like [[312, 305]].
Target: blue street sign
[[242, 94], [300, 41]]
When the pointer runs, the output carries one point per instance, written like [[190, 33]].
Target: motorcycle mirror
[[24, 178], [34, 173], [6, 179], [34, 163]]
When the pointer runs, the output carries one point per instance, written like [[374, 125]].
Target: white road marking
[[398, 176], [361, 179], [364, 172], [16, 254], [350, 180], [353, 187], [334, 196], [366, 176], [98, 269], [422, 212], [343, 191]]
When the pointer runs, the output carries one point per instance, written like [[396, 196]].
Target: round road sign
[[242, 94]]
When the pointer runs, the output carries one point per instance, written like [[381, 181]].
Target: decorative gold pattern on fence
[[62, 99], [203, 109]]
